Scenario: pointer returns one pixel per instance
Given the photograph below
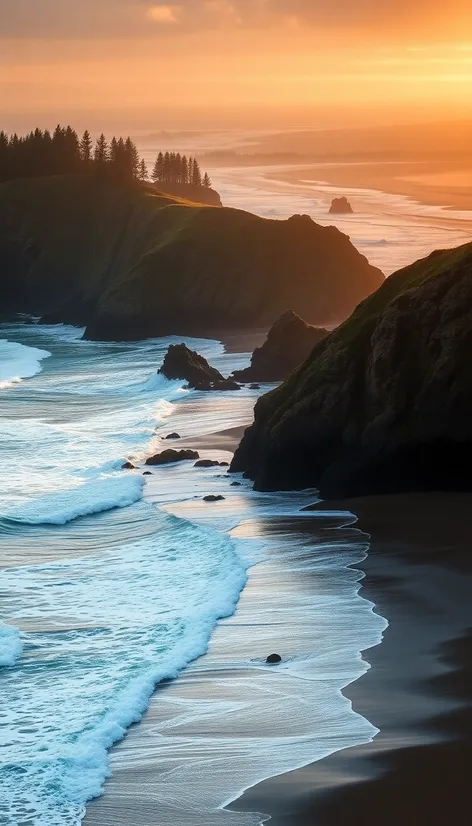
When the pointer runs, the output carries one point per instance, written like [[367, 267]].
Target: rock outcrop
[[129, 263], [182, 363], [384, 403], [340, 206], [170, 456], [289, 343]]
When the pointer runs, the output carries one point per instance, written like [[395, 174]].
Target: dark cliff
[[130, 263], [289, 342], [385, 402]]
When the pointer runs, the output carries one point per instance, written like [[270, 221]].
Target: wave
[[11, 646], [120, 623], [92, 497], [19, 361]]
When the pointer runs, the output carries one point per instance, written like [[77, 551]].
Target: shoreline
[[428, 184], [276, 609], [418, 691]]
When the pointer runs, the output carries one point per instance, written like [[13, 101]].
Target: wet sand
[[226, 440], [419, 689], [432, 183]]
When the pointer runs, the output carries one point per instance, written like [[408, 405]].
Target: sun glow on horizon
[[223, 56]]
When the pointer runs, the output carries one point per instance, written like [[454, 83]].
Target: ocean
[[126, 599], [113, 582]]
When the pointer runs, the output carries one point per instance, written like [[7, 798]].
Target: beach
[[209, 735], [418, 691]]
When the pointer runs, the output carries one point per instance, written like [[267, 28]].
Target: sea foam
[[92, 497], [111, 628], [10, 645], [19, 361]]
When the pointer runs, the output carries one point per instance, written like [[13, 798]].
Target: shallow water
[[391, 230], [108, 588]]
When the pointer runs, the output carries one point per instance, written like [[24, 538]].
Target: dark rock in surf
[[273, 659], [182, 363], [224, 464], [205, 463], [222, 386], [254, 387], [236, 484], [168, 457], [213, 498], [173, 436], [340, 206], [147, 473], [289, 342], [128, 466]]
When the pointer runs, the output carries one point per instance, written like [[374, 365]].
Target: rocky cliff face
[[385, 402], [289, 342], [130, 263]]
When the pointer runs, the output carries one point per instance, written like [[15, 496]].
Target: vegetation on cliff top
[[131, 263]]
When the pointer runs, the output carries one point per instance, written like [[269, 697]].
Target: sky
[[194, 64]]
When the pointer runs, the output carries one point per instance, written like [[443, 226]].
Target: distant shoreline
[[430, 183]]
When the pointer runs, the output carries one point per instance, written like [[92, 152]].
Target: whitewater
[[113, 583]]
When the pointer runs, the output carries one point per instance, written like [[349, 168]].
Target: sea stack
[[289, 342], [182, 363], [340, 206]]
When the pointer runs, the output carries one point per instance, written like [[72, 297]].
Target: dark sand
[[419, 689], [224, 440]]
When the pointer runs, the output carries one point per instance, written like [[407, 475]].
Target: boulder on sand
[[274, 659], [168, 457], [289, 342], [182, 363], [213, 498], [340, 206]]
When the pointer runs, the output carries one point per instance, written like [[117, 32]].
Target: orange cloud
[[163, 14]]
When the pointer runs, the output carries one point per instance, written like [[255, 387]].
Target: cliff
[[131, 263], [385, 402], [289, 342]]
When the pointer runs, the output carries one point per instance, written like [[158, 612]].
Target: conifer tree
[[101, 153], [143, 171], [196, 174], [132, 159], [86, 148], [166, 168], [184, 170], [206, 181]]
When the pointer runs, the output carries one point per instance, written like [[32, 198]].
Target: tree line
[[174, 168], [42, 153], [63, 151]]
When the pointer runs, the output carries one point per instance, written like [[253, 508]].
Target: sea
[[135, 617]]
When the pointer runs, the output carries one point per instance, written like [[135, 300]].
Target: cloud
[[163, 14], [112, 18]]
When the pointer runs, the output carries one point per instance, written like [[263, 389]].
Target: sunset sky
[[203, 63]]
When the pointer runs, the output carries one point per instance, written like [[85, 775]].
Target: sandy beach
[[435, 183], [418, 691], [210, 729]]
